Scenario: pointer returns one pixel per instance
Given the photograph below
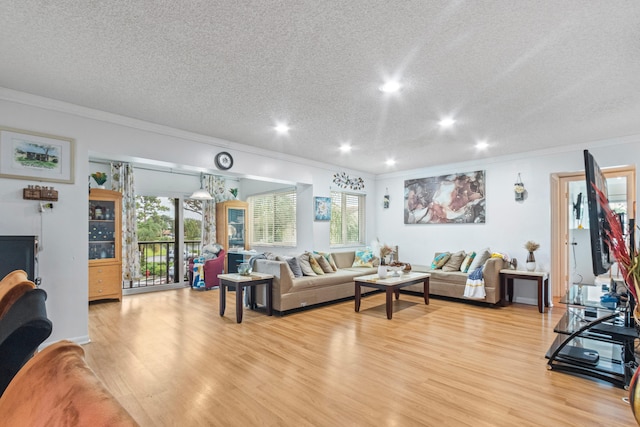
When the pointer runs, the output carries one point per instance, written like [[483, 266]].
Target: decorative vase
[[102, 187], [382, 272], [531, 262]]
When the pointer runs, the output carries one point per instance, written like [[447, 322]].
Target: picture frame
[[458, 198], [36, 156], [322, 208]]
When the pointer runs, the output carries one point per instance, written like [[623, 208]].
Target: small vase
[[531, 262], [382, 272], [634, 396], [102, 187]]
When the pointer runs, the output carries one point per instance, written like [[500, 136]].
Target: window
[[347, 219], [273, 218]]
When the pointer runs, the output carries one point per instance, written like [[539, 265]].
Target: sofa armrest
[[491, 272], [282, 280]]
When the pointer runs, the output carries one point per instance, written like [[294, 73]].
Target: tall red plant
[[627, 262]]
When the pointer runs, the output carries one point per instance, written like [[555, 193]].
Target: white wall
[[509, 224]]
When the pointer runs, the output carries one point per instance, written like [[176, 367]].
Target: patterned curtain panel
[[122, 181], [211, 184]]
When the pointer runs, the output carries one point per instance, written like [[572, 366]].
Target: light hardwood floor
[[171, 360]]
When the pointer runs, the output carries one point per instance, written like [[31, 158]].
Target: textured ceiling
[[523, 75]]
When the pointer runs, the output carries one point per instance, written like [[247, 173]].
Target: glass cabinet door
[[102, 244], [237, 232]]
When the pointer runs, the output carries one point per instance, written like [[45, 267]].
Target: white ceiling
[[523, 75]]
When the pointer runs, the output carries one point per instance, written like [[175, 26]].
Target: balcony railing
[[159, 265]]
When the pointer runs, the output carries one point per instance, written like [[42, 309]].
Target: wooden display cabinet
[[232, 229], [105, 244]]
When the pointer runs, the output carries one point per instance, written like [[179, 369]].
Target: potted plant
[[100, 178]]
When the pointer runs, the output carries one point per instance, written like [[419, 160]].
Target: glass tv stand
[[594, 340]]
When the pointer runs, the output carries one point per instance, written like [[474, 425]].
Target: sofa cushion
[[324, 264], [329, 258], [468, 259], [293, 265], [315, 266], [454, 262], [363, 258], [440, 260], [305, 265], [481, 257]]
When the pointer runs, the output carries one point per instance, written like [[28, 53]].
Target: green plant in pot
[[100, 178]]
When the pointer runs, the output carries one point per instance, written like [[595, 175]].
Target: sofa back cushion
[[481, 257], [454, 262], [293, 265], [324, 264], [315, 266]]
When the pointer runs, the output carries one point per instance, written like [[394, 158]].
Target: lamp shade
[[201, 194]]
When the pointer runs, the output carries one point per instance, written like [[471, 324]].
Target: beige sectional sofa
[[452, 283], [290, 293]]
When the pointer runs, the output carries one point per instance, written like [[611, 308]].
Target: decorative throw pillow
[[364, 258], [305, 266], [324, 264], [329, 258], [294, 266], [454, 262], [464, 267], [313, 261], [440, 260], [480, 259]]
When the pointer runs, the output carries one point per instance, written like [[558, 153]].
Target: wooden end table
[[240, 282], [391, 285], [541, 277]]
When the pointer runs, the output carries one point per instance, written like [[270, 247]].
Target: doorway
[[571, 245]]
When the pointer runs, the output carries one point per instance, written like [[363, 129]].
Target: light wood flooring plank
[[171, 360]]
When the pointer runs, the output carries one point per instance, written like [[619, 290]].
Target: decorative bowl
[[395, 270], [244, 269]]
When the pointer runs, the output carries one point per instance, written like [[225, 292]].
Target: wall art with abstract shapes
[[457, 198], [322, 208]]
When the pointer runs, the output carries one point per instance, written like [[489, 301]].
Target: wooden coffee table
[[391, 285], [240, 282]]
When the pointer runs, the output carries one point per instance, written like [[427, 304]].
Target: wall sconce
[[519, 189]]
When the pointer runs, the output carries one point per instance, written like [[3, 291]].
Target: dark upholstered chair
[[23, 327]]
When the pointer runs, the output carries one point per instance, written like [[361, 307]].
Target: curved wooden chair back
[[57, 388], [12, 287]]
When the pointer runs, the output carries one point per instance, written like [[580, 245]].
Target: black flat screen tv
[[18, 253], [598, 224]]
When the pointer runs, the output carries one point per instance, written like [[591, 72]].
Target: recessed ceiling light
[[446, 123], [345, 147], [282, 128], [390, 162], [391, 86], [482, 145]]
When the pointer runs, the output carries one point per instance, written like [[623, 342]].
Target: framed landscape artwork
[[36, 156], [458, 198], [322, 208]]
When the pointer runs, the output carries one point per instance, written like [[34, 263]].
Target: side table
[[239, 282], [541, 277]]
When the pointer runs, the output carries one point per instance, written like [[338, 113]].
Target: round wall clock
[[224, 160]]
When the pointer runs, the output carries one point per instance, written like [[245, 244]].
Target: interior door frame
[[560, 222]]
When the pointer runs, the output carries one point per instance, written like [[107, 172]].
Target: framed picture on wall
[[36, 156], [322, 208], [457, 198]]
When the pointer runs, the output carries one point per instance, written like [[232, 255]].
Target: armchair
[[212, 267]]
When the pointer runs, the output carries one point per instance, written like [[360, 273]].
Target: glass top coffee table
[[391, 285]]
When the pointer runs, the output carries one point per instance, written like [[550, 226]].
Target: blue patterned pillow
[[364, 258], [440, 260]]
